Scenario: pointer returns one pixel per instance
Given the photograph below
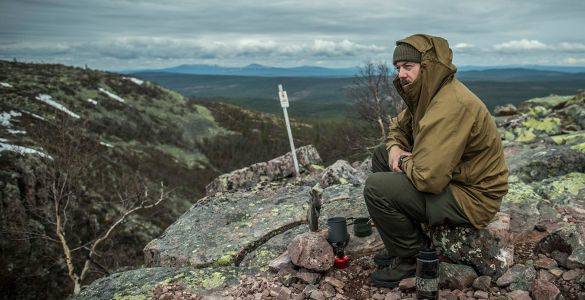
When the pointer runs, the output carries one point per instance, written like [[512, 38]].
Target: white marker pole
[[284, 103]]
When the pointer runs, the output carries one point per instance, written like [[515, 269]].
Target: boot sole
[[385, 284]]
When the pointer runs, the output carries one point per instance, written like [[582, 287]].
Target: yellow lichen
[[547, 125], [214, 281]]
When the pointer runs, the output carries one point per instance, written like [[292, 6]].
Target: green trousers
[[398, 209]]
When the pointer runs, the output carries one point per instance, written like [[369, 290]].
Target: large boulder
[[220, 229], [312, 251], [489, 251], [341, 172], [271, 170], [144, 283]]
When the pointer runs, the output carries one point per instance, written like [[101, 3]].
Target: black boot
[[390, 276], [383, 259]]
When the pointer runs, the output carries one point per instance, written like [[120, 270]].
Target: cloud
[[525, 45], [575, 60], [175, 48]]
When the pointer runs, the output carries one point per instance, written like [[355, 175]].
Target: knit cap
[[406, 52]]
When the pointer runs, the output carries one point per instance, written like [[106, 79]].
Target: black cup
[[362, 227], [337, 230]]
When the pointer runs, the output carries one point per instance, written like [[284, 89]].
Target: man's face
[[407, 71]]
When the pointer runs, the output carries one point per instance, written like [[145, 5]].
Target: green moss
[[214, 281], [538, 111], [130, 297], [519, 192], [579, 147], [547, 125], [190, 159], [570, 139], [225, 260], [549, 101], [570, 183], [524, 135]]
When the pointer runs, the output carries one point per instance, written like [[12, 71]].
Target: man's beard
[[404, 82]]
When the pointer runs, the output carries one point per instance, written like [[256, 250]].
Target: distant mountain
[[316, 71], [257, 70]]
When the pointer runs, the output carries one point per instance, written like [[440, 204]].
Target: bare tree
[[374, 95], [77, 159]]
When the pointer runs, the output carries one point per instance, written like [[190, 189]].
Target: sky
[[133, 34]]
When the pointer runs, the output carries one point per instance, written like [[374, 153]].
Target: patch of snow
[[35, 115], [112, 95], [92, 101], [6, 116], [107, 145], [135, 80], [6, 85], [506, 257], [16, 131], [49, 100], [22, 150]]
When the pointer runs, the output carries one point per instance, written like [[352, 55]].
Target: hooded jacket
[[451, 134]]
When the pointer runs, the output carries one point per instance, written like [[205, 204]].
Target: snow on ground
[[49, 100], [6, 85], [107, 145], [92, 101], [6, 116], [16, 131], [135, 80], [4, 146], [112, 95], [34, 115]]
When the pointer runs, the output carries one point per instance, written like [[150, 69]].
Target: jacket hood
[[436, 70]]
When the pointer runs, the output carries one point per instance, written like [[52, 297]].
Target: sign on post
[[284, 103]]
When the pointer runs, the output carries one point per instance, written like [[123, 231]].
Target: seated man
[[443, 162]]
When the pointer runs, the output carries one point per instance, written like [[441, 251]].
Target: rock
[[572, 274], [219, 228], [544, 290], [271, 170], [570, 239], [480, 295], [283, 294], [482, 283], [545, 263], [519, 295], [543, 161], [518, 277], [309, 289], [560, 257], [556, 272], [490, 251], [317, 295], [454, 276], [141, 283], [407, 284], [312, 251], [521, 204], [338, 284], [392, 296], [341, 172], [545, 275], [505, 110], [280, 262]]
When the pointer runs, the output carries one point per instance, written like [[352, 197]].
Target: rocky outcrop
[[489, 251], [249, 224], [312, 251], [341, 172], [271, 170]]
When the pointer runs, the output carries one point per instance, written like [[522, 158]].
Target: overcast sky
[[135, 34]]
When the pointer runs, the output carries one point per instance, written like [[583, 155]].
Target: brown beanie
[[406, 52]]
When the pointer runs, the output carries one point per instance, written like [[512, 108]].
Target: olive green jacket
[[451, 134]]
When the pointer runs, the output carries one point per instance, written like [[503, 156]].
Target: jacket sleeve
[[438, 147], [400, 131]]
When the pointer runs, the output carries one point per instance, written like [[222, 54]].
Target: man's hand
[[394, 155]]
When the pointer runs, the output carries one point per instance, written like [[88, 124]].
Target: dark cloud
[[122, 34]]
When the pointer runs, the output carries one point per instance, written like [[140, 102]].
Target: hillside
[[108, 140], [326, 97], [248, 237]]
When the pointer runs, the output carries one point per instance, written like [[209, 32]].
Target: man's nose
[[401, 73]]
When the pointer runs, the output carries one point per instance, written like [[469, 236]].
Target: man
[[443, 162]]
